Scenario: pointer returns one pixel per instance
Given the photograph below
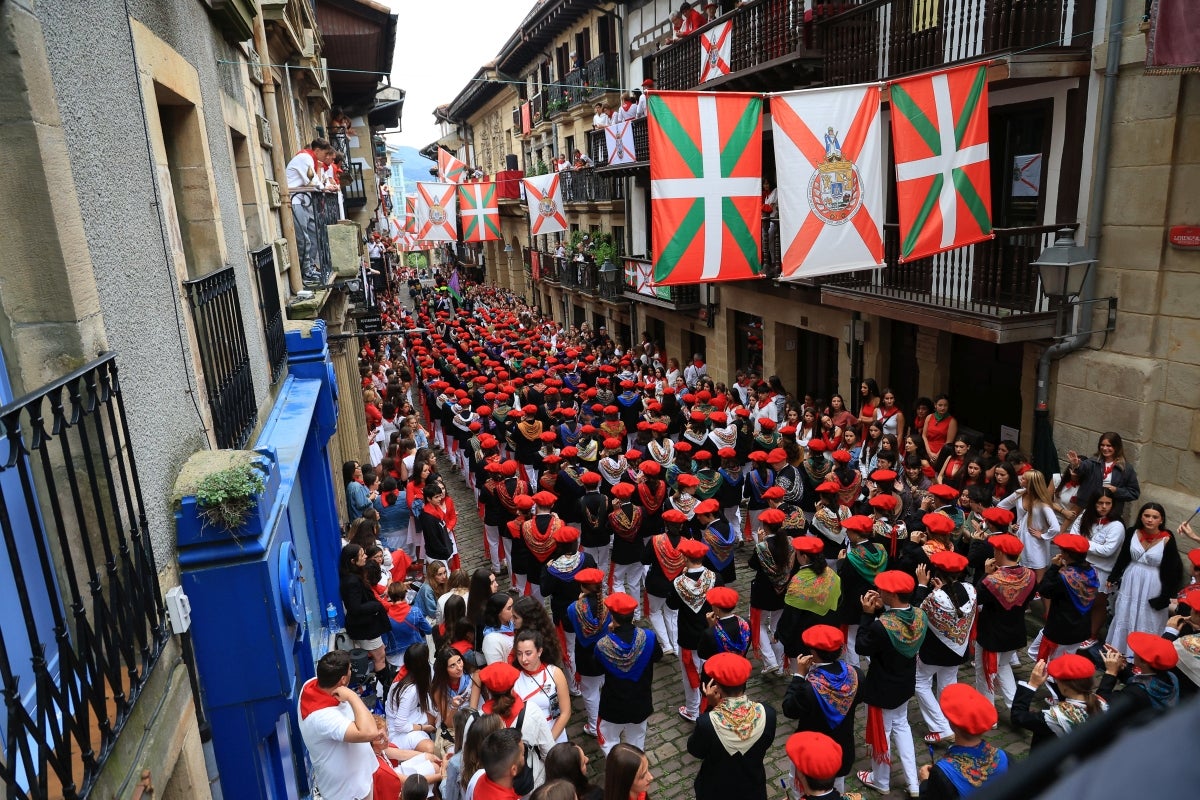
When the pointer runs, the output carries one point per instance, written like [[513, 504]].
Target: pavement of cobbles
[[673, 767]]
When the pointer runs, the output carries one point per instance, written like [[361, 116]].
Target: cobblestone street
[[666, 739]]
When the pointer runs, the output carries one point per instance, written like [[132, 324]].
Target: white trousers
[[568, 656], [748, 532], [589, 686], [506, 543], [895, 727], [1004, 679], [772, 652], [630, 578], [492, 533], [927, 697], [691, 696], [851, 654], [602, 555], [612, 733], [666, 623], [734, 516]]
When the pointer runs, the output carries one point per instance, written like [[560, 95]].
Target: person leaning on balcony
[[306, 174], [337, 730], [601, 118], [647, 85]]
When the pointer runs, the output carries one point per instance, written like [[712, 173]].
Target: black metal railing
[[550, 267], [573, 91], [224, 357], [887, 38], [638, 284], [601, 75], [763, 31], [272, 311], [321, 210], [993, 278], [87, 625], [586, 186], [537, 105], [354, 190]]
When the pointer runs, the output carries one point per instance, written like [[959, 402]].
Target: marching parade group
[[616, 493]]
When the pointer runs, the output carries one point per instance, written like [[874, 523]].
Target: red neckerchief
[[652, 502], [313, 699], [670, 560], [1148, 540], [888, 413]]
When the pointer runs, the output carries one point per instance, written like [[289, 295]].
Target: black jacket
[[1065, 624], [892, 679], [723, 775], [623, 700], [438, 544], [366, 617], [800, 703]]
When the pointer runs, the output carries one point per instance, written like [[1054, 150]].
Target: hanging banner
[[544, 193], [436, 220]]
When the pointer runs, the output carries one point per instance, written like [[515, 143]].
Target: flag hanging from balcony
[[544, 196], [705, 185], [410, 213], [436, 219], [943, 174], [715, 47], [829, 159], [450, 169], [479, 211], [619, 139]]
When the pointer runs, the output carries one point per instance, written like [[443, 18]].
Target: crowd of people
[[887, 549]]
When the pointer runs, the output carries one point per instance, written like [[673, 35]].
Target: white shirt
[[304, 173], [601, 120], [640, 107], [342, 769]]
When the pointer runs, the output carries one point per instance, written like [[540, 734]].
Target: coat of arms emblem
[[834, 191], [437, 214]]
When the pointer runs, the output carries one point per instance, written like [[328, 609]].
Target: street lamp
[[609, 272], [1063, 267]]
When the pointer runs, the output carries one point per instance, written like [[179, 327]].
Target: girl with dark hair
[[956, 462], [1003, 483], [567, 761], [939, 427], [358, 496], [889, 415], [450, 688], [366, 618], [1107, 469], [1106, 536], [498, 627], [840, 416], [469, 762], [530, 614], [1146, 575], [626, 773], [456, 610], [541, 686], [409, 709], [871, 445], [869, 394], [483, 586]]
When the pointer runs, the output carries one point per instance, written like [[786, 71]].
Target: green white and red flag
[[410, 213], [943, 171], [543, 194], [436, 218], [705, 186], [479, 211], [450, 168]]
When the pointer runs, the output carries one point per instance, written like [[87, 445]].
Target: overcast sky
[[439, 46]]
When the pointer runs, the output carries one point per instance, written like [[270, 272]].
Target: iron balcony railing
[[354, 190], [887, 38], [84, 623], [586, 186], [272, 311], [538, 107], [992, 278], [601, 75], [763, 31], [325, 212], [224, 357], [598, 144], [639, 284]]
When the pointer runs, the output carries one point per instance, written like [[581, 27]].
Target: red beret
[[776, 454], [948, 561], [883, 476], [523, 502], [774, 493], [808, 544], [814, 755], [492, 466], [487, 441], [475, 426], [758, 456], [674, 516], [633, 455], [611, 410], [771, 516], [590, 478], [569, 451], [1071, 667], [727, 452], [693, 548], [828, 487], [841, 456], [817, 445], [944, 492], [896, 582], [766, 423], [719, 417], [551, 459], [1006, 543], [1154, 650], [1194, 556], [965, 708], [548, 436], [742, 411], [938, 524], [884, 502], [696, 416], [622, 490], [651, 468], [612, 443], [1000, 517], [788, 430], [683, 447], [509, 468], [590, 575], [1071, 541], [499, 677], [545, 499], [620, 603], [587, 430], [823, 637], [709, 506], [728, 669], [858, 523], [687, 480], [722, 597], [529, 410], [566, 534], [702, 455]]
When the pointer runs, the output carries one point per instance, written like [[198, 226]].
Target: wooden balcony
[[639, 285], [769, 51], [987, 290], [883, 39]]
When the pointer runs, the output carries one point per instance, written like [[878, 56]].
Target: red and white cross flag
[[436, 212], [715, 48], [544, 195], [829, 159], [619, 139]]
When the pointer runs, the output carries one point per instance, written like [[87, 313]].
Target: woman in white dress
[[542, 686], [1106, 536], [1147, 574], [1037, 523], [409, 708]]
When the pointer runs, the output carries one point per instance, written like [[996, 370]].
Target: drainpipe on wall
[[1095, 211], [295, 282]]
